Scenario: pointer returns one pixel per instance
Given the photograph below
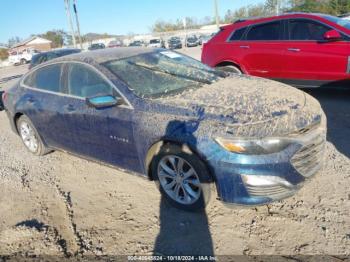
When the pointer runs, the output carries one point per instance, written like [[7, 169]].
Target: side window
[[306, 30], [238, 34], [85, 82], [269, 31], [46, 78]]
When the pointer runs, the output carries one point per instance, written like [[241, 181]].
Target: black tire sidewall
[[196, 163]]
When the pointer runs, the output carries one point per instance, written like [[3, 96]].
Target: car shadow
[[181, 232], [336, 105]]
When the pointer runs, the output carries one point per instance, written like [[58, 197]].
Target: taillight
[[4, 96]]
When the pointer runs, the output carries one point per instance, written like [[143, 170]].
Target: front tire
[[23, 61], [30, 137], [182, 178]]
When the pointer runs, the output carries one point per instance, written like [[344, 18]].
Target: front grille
[[275, 191], [307, 161]]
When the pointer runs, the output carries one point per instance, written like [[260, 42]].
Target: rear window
[[238, 34], [155, 41], [269, 31], [46, 78]]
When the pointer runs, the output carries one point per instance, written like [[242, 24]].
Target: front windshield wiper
[[172, 74], [212, 71]]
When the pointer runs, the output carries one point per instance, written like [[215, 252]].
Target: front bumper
[[261, 179]]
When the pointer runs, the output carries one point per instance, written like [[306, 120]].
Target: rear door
[[311, 61], [43, 102], [262, 49]]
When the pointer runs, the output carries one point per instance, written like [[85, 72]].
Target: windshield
[[155, 41], [162, 73], [339, 21]]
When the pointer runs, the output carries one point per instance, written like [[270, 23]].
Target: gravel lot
[[61, 205]]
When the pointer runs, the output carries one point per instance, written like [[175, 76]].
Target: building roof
[[33, 40]]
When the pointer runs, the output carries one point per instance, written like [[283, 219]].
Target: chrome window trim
[[128, 104], [249, 27], [287, 29]]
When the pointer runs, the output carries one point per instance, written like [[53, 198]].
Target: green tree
[[3, 54], [56, 36], [339, 7]]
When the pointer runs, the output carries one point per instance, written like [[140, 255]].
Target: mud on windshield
[[162, 73]]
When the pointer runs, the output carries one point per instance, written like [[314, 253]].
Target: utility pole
[[70, 22], [217, 14], [77, 21]]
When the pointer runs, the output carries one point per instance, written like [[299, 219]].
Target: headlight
[[253, 146]]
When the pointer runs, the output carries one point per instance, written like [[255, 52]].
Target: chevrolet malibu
[[165, 116]]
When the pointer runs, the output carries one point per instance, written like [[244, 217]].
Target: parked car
[[205, 38], [174, 120], [156, 43], [22, 57], [113, 44], [174, 43], [137, 43], [305, 50], [46, 56], [192, 41], [97, 46]]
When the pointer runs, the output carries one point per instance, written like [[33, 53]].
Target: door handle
[[244, 46], [30, 100], [294, 49], [69, 108]]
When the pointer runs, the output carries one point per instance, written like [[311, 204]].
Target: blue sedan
[[163, 115]]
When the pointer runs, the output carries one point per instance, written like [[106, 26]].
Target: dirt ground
[[60, 205]]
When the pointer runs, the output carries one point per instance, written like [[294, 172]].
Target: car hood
[[245, 102]]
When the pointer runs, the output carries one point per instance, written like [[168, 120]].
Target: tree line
[[267, 8]]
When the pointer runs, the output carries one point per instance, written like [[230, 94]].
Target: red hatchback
[[304, 50]]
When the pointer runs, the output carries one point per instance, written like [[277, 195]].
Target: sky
[[25, 17]]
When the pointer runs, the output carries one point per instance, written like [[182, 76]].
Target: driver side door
[[310, 60], [104, 134]]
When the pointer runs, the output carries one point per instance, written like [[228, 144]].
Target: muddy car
[[168, 117]]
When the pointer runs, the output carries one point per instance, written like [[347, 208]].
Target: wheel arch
[[154, 149], [15, 119], [229, 62]]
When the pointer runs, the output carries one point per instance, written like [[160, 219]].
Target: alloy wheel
[[29, 137], [179, 180]]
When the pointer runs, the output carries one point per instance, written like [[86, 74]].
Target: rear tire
[[30, 137], [232, 69], [186, 186]]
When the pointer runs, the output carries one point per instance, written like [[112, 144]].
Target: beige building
[[34, 42]]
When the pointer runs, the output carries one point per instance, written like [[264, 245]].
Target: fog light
[[264, 181]]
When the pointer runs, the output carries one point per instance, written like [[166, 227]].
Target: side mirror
[[332, 35], [104, 101]]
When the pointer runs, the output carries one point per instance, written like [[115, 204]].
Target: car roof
[[253, 20], [105, 55], [58, 51]]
